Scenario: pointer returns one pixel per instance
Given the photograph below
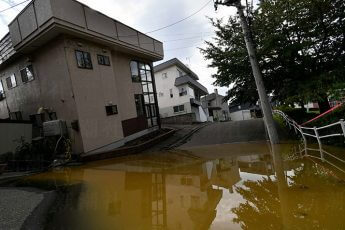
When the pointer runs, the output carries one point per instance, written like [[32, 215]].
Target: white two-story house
[[178, 93]]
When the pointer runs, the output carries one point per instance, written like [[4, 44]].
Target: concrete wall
[[241, 115], [11, 134], [188, 118]]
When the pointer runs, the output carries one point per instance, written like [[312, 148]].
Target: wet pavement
[[229, 132], [225, 186]]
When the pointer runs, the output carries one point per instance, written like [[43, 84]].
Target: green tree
[[300, 46]]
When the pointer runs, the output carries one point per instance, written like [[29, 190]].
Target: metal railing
[[303, 131]]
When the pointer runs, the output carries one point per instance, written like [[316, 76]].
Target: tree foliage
[[300, 46]]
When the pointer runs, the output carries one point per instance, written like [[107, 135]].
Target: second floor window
[[183, 92], [2, 92], [103, 60], [11, 81], [135, 71], [83, 59], [27, 74]]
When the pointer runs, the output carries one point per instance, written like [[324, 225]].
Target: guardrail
[[315, 134]]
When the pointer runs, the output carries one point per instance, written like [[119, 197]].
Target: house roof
[[179, 64], [189, 80]]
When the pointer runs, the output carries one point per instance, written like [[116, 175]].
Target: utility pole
[[265, 105]]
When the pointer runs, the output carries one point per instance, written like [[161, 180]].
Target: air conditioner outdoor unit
[[54, 128]]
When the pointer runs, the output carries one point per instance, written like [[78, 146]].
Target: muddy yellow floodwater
[[238, 186]]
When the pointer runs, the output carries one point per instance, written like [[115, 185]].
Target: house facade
[[218, 110], [179, 93], [63, 60]]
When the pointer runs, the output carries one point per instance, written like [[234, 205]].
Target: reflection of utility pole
[[266, 108]]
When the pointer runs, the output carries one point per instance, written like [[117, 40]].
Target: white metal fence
[[314, 133]]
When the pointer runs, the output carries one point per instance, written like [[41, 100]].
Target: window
[[27, 74], [179, 108], [171, 93], [164, 75], [11, 81], [17, 116], [103, 60], [183, 92], [111, 110], [83, 59], [2, 92], [142, 72], [139, 104], [135, 71]]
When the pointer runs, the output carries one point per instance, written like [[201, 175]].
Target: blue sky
[[181, 40]]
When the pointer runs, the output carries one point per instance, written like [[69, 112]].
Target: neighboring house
[[240, 112], [179, 93], [218, 110], [63, 60]]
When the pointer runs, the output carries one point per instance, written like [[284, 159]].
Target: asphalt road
[[228, 132]]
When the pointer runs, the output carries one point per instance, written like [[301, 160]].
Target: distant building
[[179, 93], [63, 60], [218, 110], [246, 111]]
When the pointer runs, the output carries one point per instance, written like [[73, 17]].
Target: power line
[[186, 47], [189, 38], [181, 20], [14, 6]]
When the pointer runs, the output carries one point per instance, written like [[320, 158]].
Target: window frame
[[146, 78], [83, 65], [114, 110], [140, 103], [2, 91], [32, 72], [137, 78], [177, 108], [101, 59], [15, 81]]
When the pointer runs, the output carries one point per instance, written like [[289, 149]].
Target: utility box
[[54, 128]]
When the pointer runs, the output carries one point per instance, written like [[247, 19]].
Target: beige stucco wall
[[50, 89], [93, 90]]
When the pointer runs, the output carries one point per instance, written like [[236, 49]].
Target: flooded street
[[230, 186]]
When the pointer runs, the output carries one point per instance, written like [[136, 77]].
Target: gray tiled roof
[[179, 64], [188, 80]]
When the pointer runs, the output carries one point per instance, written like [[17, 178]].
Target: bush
[[298, 114]]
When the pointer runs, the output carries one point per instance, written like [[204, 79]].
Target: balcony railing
[[6, 48]]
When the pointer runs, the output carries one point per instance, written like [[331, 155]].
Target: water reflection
[[259, 187]]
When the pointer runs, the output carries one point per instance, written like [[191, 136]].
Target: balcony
[[6, 48], [41, 21], [193, 83]]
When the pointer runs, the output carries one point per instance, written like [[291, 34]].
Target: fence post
[[305, 141], [342, 124], [320, 144]]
